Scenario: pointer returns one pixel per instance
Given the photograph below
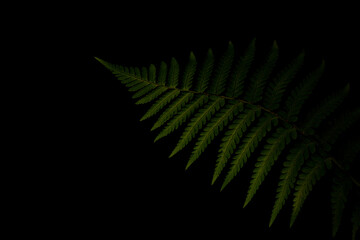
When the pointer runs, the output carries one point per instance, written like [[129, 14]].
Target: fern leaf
[[213, 128], [114, 68], [311, 173], [221, 73], [241, 69], [131, 82], [153, 95], [205, 72], [137, 73], [174, 107], [232, 138], [212, 99], [269, 155], [144, 74], [122, 73], [324, 109], [198, 122], [143, 91], [189, 72], [162, 74], [160, 103], [277, 87], [339, 194], [299, 95], [152, 73], [250, 142], [138, 86], [259, 78], [173, 78], [182, 116], [294, 161], [355, 219]]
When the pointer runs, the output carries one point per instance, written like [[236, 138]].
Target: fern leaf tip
[[292, 221], [223, 185], [157, 139], [271, 222], [275, 44], [246, 203], [173, 153], [100, 60], [213, 182]]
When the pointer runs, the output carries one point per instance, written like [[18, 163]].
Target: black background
[[118, 182]]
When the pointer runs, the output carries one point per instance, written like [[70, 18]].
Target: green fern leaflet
[[260, 114]]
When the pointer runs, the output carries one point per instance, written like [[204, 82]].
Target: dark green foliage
[[258, 80], [277, 87], [205, 72], [222, 70], [246, 104], [240, 71]]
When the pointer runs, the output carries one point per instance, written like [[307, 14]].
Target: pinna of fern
[[244, 102]]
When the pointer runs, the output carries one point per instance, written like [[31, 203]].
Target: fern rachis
[[248, 107]]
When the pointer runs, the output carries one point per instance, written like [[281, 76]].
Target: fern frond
[[162, 74], [152, 95], [138, 86], [324, 109], [222, 71], [174, 107], [144, 74], [249, 143], [311, 174], [301, 92], [212, 99], [197, 122], [173, 78], [152, 73], [258, 80], [183, 115], [232, 138], [131, 82], [143, 91], [292, 165], [213, 128], [114, 68], [269, 155], [339, 194], [189, 72], [137, 72], [277, 87], [129, 77], [205, 72], [160, 103], [239, 74]]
